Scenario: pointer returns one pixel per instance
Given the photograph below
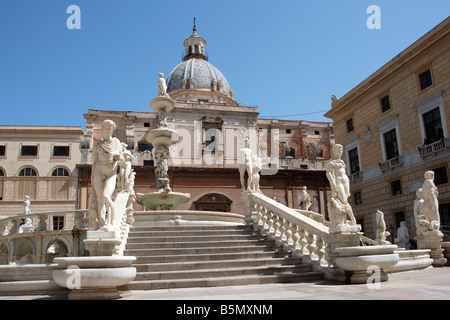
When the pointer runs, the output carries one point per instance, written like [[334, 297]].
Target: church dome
[[195, 72]]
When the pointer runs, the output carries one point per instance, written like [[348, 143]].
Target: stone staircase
[[28, 279], [209, 255]]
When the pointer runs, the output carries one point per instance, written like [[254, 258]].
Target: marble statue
[[430, 206], [107, 155], [403, 236], [381, 228], [338, 207], [256, 168], [306, 199], [246, 165], [26, 205], [334, 100], [27, 227], [421, 223], [162, 86], [161, 154], [124, 175]]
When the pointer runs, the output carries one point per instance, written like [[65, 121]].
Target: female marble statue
[[125, 169], [107, 154], [340, 188]]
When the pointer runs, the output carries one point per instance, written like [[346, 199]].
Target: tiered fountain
[[162, 138]]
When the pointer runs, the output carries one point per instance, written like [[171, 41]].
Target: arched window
[[58, 186], [27, 172], [2, 174], [26, 186], [60, 172]]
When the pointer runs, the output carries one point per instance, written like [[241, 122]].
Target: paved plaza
[[428, 284]]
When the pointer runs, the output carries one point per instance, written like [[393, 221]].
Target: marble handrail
[[304, 236]]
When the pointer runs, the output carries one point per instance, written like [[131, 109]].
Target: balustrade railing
[[303, 236], [38, 221], [432, 148]]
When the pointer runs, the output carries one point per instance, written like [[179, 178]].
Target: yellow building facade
[[394, 127]]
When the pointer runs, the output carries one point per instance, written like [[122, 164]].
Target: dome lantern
[[195, 46]]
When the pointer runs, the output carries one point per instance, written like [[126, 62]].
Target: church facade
[[212, 126]]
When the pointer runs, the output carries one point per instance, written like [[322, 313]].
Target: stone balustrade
[[302, 235], [38, 221]]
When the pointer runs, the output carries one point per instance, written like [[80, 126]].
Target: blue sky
[[285, 57]]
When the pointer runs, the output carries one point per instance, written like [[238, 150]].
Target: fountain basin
[[163, 201], [94, 277], [162, 104], [162, 137], [363, 261]]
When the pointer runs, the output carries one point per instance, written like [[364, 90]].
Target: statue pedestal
[[102, 243], [432, 240], [337, 240]]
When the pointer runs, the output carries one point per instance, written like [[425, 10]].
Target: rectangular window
[[357, 197], [61, 151], [353, 160], [391, 144], [2, 151], [444, 211], [440, 175], [145, 147], [288, 131], [350, 125], [433, 126], [425, 79], [58, 223], [385, 104], [396, 187], [399, 217], [149, 163], [29, 151]]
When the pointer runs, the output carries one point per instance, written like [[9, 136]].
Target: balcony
[[432, 148], [356, 176], [391, 164]]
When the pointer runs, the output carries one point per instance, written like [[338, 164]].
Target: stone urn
[[362, 261], [94, 278]]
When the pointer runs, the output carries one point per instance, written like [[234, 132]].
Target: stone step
[[223, 281], [198, 265], [199, 250], [27, 272], [181, 238], [31, 287], [174, 233], [209, 257], [198, 244], [191, 228], [223, 272]]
